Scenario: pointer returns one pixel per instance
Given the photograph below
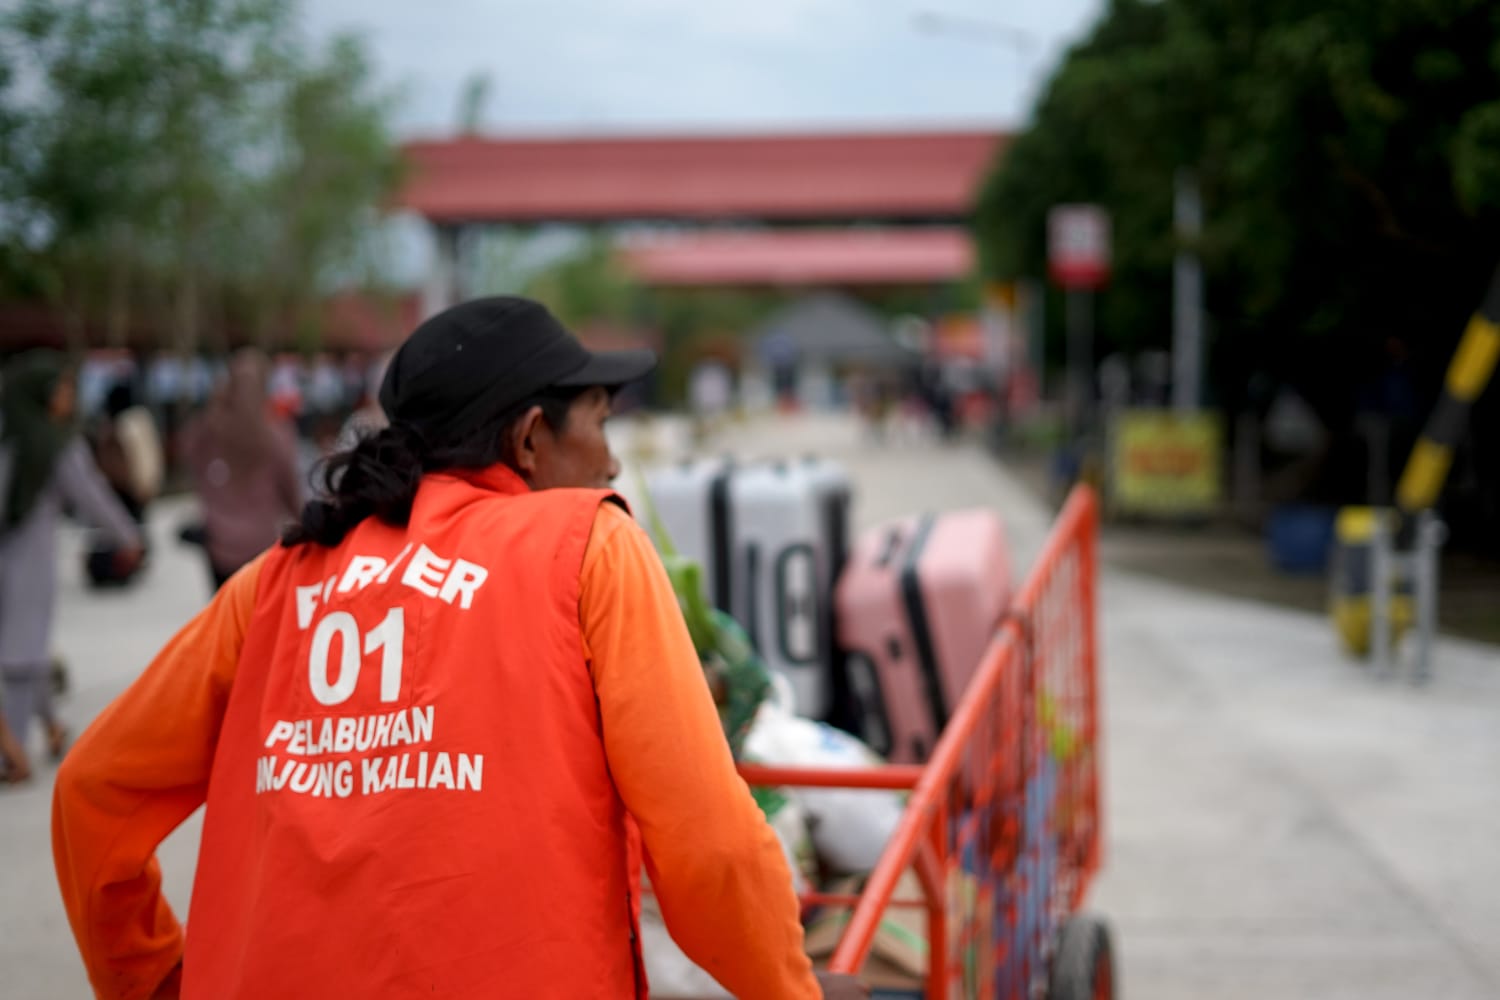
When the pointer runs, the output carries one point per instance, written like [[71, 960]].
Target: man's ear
[[523, 435]]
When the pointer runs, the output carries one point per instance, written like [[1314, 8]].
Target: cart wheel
[[1083, 966]]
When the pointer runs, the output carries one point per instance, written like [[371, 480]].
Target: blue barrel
[[1300, 537]]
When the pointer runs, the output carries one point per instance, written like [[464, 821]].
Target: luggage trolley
[[1002, 829]]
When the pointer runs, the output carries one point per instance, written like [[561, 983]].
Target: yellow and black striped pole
[[1468, 374], [1355, 562]]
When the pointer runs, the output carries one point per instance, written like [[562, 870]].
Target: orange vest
[[410, 795]]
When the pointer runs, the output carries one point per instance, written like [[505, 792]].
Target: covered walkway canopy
[[788, 257], [917, 187], [854, 177]]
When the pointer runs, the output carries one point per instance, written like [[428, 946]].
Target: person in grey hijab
[[47, 464]]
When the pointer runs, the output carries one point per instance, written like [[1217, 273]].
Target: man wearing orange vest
[[429, 723]]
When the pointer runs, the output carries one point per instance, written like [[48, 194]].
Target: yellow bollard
[[1353, 566]]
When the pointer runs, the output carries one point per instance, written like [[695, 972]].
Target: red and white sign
[[1078, 246]]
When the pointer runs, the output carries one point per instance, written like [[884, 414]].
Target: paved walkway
[[1280, 824]]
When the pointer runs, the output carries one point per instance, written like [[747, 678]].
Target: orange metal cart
[[1002, 828]]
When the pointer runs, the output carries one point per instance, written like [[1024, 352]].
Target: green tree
[[130, 144], [693, 320], [589, 285], [309, 215], [188, 164], [1349, 157], [17, 276], [592, 285]]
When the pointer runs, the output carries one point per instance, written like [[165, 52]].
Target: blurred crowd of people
[[103, 439], [932, 400]]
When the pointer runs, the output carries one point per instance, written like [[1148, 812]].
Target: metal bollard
[[1382, 585], [1431, 533], [1392, 569]]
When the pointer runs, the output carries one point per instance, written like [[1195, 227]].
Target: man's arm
[[715, 864], [134, 775]]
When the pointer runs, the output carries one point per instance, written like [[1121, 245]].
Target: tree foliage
[[590, 284], [1348, 153], [186, 165]]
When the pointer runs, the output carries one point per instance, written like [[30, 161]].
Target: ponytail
[[379, 476]]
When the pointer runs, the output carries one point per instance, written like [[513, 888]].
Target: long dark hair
[[379, 476]]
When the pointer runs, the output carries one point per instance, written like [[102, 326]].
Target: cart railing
[[1002, 828]]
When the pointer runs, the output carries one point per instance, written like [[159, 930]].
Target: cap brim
[[611, 369]]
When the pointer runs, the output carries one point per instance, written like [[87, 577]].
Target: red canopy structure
[[912, 183], [916, 175], [781, 257]]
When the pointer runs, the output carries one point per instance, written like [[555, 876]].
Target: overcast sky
[[585, 66]]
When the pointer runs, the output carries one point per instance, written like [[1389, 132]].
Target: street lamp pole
[[1187, 287], [975, 29], [991, 32]]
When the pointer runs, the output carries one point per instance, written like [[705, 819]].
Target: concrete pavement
[[1279, 823]]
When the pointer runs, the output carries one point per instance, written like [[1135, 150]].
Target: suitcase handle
[[889, 548], [790, 605]]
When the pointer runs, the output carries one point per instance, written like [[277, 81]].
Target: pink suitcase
[[917, 604]]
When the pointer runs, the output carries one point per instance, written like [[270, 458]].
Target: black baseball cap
[[486, 355]]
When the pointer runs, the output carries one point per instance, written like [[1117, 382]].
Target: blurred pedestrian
[[15, 766], [870, 396], [244, 465], [128, 449], [284, 387], [437, 726], [168, 391], [367, 418], [325, 387], [48, 464], [937, 393]]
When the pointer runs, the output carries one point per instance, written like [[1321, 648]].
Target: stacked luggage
[[771, 538], [916, 605], [880, 638]]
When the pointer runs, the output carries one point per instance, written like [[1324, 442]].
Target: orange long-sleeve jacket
[[145, 765]]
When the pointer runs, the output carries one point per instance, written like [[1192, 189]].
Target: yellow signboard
[[1162, 462]]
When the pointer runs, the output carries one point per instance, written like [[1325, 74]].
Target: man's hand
[[840, 987]]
